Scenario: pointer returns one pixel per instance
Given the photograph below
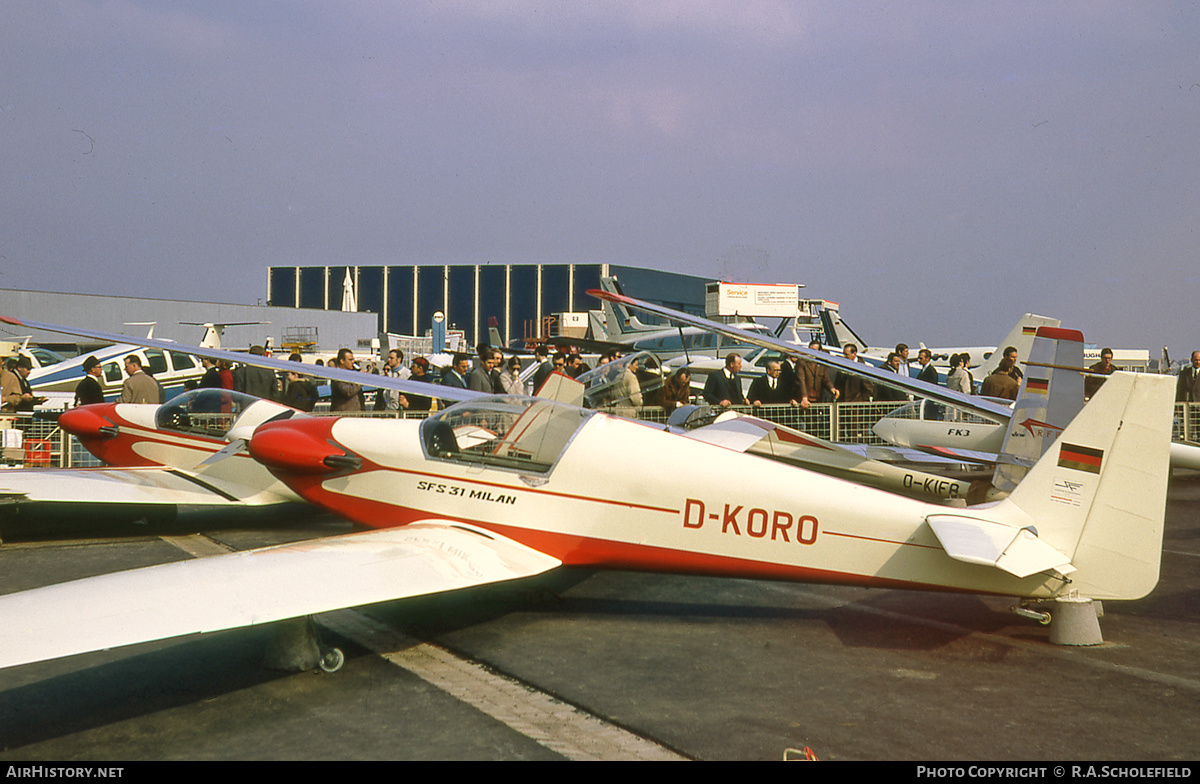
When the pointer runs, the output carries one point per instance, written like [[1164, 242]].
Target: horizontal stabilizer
[[738, 433], [1017, 551], [256, 586]]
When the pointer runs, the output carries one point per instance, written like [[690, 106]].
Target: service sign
[[763, 300]]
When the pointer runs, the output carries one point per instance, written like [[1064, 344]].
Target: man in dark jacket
[[724, 388], [88, 390]]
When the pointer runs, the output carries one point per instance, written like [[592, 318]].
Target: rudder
[[1098, 495]]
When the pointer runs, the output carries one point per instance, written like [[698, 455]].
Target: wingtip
[[11, 320]]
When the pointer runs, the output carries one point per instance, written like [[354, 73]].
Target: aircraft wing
[[901, 454], [141, 486], [321, 371], [975, 405], [256, 586]]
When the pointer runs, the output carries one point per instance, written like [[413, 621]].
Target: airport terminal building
[[520, 297]]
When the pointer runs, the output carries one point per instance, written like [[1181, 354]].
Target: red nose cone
[[89, 422], [301, 446]]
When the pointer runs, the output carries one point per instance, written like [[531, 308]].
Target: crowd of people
[[799, 384], [807, 381]]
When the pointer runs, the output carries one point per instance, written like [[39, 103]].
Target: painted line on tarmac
[[1069, 653], [559, 726], [197, 545]]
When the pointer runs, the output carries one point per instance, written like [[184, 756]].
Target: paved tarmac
[[625, 666]]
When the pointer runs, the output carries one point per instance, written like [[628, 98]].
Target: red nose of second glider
[[89, 422], [302, 446]]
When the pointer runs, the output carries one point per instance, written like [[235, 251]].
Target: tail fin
[[620, 321], [1021, 337], [1098, 495], [494, 338], [838, 332], [1050, 398]]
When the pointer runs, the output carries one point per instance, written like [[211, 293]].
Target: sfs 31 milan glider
[[187, 452], [501, 488]]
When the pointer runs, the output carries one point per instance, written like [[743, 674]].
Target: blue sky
[[937, 168]]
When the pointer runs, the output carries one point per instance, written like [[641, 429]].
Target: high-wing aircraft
[[669, 342], [166, 360]]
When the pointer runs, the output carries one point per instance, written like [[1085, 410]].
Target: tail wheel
[[332, 660]]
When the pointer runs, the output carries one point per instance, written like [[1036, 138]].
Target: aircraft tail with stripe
[[1051, 396], [1093, 507]]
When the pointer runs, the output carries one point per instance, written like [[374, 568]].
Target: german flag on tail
[[1081, 458]]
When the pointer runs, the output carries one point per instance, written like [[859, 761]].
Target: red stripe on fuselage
[[585, 551]]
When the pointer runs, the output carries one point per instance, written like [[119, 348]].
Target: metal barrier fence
[[45, 444]]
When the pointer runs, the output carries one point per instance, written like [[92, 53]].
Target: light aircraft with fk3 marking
[[501, 488]]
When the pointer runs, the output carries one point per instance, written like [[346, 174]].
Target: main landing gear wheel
[[332, 660]]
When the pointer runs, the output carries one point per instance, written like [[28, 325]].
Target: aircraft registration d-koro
[[501, 488]]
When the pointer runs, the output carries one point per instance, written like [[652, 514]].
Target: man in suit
[[345, 395], [770, 389], [812, 381], [253, 380], [480, 378], [928, 371], [724, 388], [895, 363], [1187, 389], [138, 387], [456, 375], [18, 395], [853, 388], [88, 390]]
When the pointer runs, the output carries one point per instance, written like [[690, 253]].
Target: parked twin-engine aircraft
[[497, 488]]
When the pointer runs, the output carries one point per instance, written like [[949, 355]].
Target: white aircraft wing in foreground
[[503, 487], [257, 586]]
